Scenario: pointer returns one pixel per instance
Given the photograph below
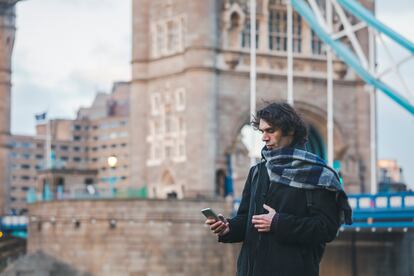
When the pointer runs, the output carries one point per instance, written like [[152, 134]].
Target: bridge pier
[[369, 254]]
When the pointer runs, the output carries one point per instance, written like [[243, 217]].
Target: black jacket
[[296, 241]]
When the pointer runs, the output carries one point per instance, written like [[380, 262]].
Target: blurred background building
[[79, 152], [391, 177]]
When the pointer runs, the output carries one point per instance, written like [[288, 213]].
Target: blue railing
[[383, 211], [13, 225], [388, 201]]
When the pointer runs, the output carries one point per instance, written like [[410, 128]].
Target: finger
[[268, 208], [261, 225], [258, 216], [219, 229], [210, 221], [222, 232], [222, 217], [215, 225], [258, 220]]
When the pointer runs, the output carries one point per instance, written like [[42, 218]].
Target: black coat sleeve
[[238, 223], [320, 226]]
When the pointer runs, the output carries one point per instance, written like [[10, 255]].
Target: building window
[[317, 45], [180, 99], [25, 166], [245, 41], [39, 156], [25, 177], [169, 124], [167, 36], [76, 148], [64, 158], [172, 33], [297, 33], [77, 159], [77, 138], [278, 29], [26, 145], [155, 104], [64, 148]]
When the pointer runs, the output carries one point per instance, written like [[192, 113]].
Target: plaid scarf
[[302, 169]]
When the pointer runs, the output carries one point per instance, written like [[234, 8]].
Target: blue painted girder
[[347, 56]]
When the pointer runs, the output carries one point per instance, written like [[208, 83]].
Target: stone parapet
[[131, 237]]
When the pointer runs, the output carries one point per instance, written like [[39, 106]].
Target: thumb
[[268, 208]]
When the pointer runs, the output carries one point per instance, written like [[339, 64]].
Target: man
[[291, 202]]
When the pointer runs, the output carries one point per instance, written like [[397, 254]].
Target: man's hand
[[264, 222], [218, 227]]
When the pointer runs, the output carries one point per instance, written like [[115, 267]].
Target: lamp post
[[112, 161]]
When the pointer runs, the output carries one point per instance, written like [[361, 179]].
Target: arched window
[[315, 143], [167, 178], [245, 35]]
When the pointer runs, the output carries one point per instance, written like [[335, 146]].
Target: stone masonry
[[190, 94], [130, 237], [7, 34]]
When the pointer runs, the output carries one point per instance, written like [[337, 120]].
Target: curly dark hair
[[283, 116]]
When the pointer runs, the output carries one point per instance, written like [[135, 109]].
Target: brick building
[[80, 149]]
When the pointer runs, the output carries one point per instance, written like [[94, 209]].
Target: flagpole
[[329, 70], [289, 53], [252, 74], [48, 145]]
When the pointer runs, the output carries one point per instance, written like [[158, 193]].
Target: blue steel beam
[[365, 15], [347, 56]]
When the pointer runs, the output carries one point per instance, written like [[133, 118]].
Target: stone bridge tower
[[190, 93], [7, 35]]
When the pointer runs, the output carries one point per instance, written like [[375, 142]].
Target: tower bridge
[[196, 70]]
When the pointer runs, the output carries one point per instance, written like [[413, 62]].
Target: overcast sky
[[67, 50]]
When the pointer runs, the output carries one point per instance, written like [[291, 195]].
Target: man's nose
[[265, 137]]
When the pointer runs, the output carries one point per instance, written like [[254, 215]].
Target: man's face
[[273, 137]]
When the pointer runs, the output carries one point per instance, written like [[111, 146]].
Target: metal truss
[[354, 56]]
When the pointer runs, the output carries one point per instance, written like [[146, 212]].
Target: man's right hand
[[218, 227]]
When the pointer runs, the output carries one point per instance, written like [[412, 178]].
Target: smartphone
[[208, 213]]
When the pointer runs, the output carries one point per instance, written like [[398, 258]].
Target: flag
[[40, 117]]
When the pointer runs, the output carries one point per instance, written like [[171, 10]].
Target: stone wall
[[146, 237], [167, 237]]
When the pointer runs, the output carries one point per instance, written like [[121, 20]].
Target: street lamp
[[112, 161]]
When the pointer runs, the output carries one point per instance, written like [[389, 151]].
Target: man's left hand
[[264, 222]]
